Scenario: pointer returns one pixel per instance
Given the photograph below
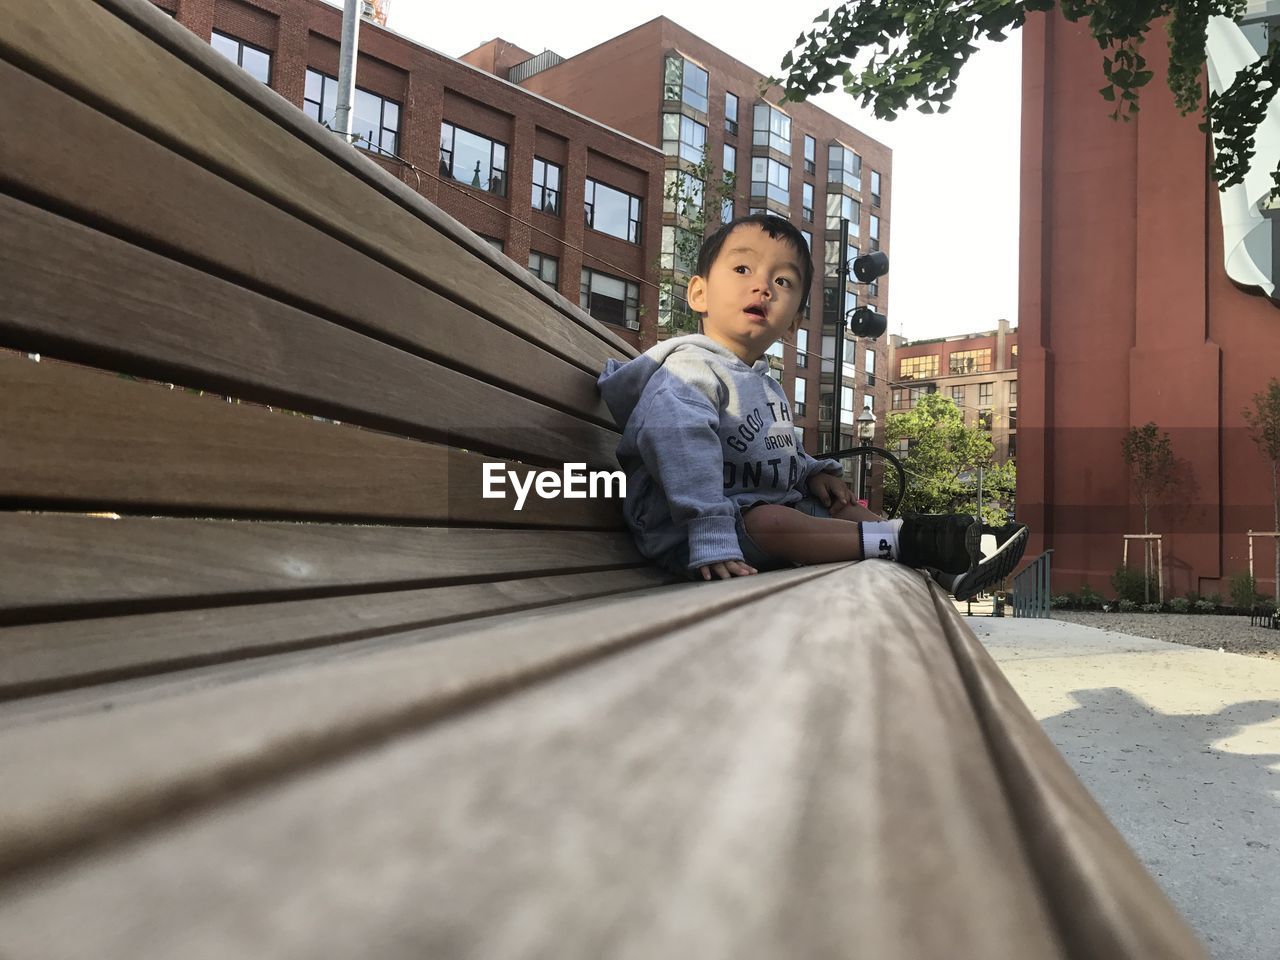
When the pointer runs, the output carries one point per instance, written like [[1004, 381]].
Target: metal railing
[[1031, 590]]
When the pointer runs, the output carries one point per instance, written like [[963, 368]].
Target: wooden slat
[[55, 567], [72, 654], [1104, 902], [83, 292], [144, 191], [139, 448], [175, 104], [727, 787], [85, 793]]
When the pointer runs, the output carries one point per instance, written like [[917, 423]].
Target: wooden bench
[[308, 694]]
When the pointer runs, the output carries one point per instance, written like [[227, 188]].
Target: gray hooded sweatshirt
[[704, 436]]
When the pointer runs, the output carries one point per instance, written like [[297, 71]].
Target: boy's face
[[751, 295]]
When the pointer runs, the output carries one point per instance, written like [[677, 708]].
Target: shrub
[[1127, 606], [1244, 591], [1151, 608], [1090, 599], [1193, 598], [1214, 599], [1205, 606], [1060, 602], [1129, 584], [1180, 605]]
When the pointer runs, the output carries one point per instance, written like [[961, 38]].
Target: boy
[[717, 484]]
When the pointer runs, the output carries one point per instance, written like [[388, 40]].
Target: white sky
[[953, 240]]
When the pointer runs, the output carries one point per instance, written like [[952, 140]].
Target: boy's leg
[[800, 538]]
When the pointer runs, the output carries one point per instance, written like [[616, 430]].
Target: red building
[[1127, 316], [511, 165]]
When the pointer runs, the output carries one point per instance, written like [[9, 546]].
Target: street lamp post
[[866, 433]]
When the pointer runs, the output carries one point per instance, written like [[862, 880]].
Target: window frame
[[631, 298], [731, 122], [557, 192], [810, 155], [502, 171], [241, 46], [545, 258], [635, 211], [767, 136], [927, 371]]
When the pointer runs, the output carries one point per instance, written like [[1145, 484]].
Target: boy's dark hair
[[777, 228]]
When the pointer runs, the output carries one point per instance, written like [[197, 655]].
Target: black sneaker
[[994, 551], [937, 540]]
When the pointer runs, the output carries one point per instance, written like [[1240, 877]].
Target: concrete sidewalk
[[1181, 747]]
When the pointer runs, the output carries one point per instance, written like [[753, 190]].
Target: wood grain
[[83, 295], [162, 201], [56, 567], [740, 784], [154, 92], [141, 448], [78, 654]]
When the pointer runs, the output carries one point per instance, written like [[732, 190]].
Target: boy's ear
[[696, 295]]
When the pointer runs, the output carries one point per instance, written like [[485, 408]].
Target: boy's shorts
[[677, 558]]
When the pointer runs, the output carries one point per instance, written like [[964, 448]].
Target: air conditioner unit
[[633, 324]]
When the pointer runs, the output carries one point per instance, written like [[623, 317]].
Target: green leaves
[[909, 53]]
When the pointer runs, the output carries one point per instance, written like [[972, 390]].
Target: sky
[[953, 235]]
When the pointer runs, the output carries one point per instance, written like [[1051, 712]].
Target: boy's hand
[[830, 489], [727, 569]]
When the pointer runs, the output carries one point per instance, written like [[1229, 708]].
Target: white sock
[[880, 539]]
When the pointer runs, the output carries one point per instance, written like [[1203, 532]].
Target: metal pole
[[837, 375], [979, 517], [862, 478], [347, 68]]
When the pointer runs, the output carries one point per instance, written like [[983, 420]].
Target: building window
[[800, 436], [806, 203], [612, 211], [918, 368], [874, 230], [808, 240], [847, 413], [869, 402], [971, 361], [1013, 445], [772, 128], [801, 389], [730, 113], [771, 179], [985, 393], [672, 297], [726, 210], [472, 159], [684, 80], [683, 137], [849, 360], [903, 449], [252, 60], [610, 299], [730, 163], [1013, 393], [844, 167], [493, 242], [871, 368], [752, 211], [831, 258], [1013, 357], [375, 120], [802, 348], [905, 398], [682, 194], [679, 250], [810, 154], [546, 186], [839, 206], [875, 189], [545, 267], [957, 396], [1013, 418], [984, 420], [831, 312]]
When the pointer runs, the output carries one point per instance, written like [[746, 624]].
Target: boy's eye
[[739, 268], [785, 281]]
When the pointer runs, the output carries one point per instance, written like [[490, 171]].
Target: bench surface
[[276, 681]]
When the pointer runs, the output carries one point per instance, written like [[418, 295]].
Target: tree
[[897, 53], [1149, 457], [686, 193], [1264, 427], [942, 448]]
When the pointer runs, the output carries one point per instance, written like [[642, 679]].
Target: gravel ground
[[1211, 631]]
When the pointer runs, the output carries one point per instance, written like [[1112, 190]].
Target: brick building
[[1129, 315], [665, 86], [978, 371], [510, 164]]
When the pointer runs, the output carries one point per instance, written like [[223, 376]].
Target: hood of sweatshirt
[[621, 384]]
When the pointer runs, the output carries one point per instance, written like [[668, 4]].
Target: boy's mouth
[[757, 309]]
